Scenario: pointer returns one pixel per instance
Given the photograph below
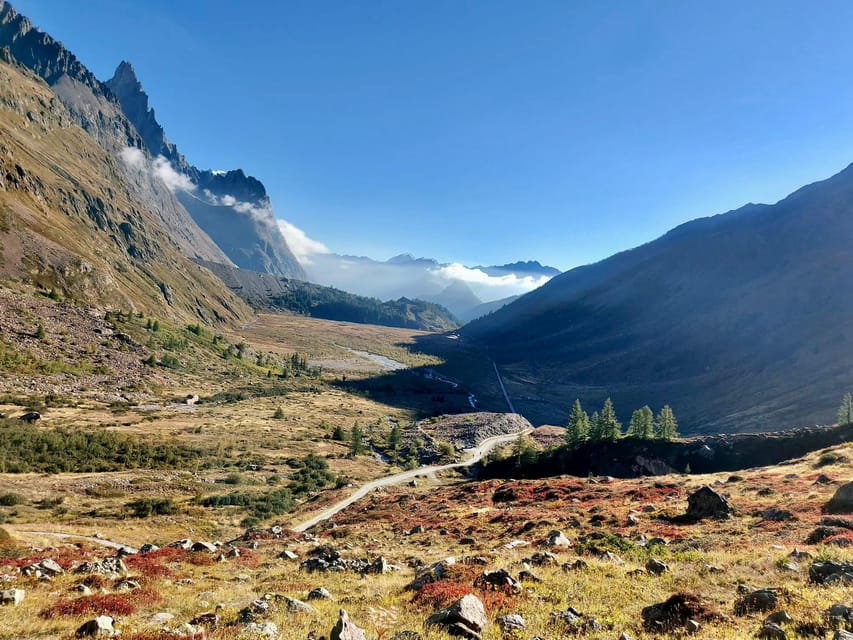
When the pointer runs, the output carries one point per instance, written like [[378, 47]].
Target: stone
[[297, 606], [12, 597], [779, 617], [841, 634], [148, 548], [465, 618], [378, 566], [287, 554], [830, 572], [126, 585], [842, 501], [100, 627], [656, 567], [840, 614], [512, 622], [108, 567], [772, 631], [162, 618], [707, 503], [577, 565], [406, 635], [542, 559], [777, 515], [496, 580], [30, 417], [267, 630], [346, 629], [203, 546], [435, 571], [82, 589], [692, 626], [185, 543], [758, 600], [557, 538], [50, 567], [625, 636], [320, 593], [419, 528]]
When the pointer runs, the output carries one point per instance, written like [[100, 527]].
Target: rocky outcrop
[[707, 503], [465, 618], [842, 501]]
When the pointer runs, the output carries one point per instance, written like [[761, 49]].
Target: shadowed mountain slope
[[740, 321]]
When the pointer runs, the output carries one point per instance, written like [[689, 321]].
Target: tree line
[[604, 425]]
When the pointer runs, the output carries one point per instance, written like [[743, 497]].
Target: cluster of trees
[[845, 411], [604, 425]]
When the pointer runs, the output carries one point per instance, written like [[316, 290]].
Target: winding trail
[[475, 455]]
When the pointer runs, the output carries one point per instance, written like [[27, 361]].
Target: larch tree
[[577, 430], [666, 426], [642, 424], [845, 411], [610, 428]]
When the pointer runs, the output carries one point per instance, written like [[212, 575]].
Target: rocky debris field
[[755, 554]]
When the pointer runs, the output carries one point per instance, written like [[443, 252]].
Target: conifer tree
[[610, 428], [642, 424], [666, 426], [594, 432], [578, 428], [356, 441], [845, 411]]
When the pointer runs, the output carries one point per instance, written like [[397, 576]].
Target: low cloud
[[133, 158], [174, 180], [300, 244], [457, 271], [160, 168]]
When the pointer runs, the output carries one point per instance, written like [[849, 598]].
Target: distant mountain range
[[741, 321], [461, 289]]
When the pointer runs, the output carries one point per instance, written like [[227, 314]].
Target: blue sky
[[489, 131]]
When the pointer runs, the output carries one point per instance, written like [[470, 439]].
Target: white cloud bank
[[457, 271], [160, 168], [300, 244]]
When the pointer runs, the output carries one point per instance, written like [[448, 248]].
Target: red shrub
[[122, 604], [440, 594], [148, 567]]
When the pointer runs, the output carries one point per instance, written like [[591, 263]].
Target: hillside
[[266, 292], [740, 321], [69, 223]]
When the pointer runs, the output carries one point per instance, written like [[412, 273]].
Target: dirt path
[[72, 536], [475, 454]]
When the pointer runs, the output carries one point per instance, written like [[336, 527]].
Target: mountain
[[69, 223], [266, 292], [233, 208], [740, 321], [458, 297], [91, 106], [486, 308], [528, 268]]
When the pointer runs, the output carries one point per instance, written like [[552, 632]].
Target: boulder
[[831, 572], [758, 600], [779, 617], [842, 501], [148, 548], [840, 614], [12, 597], [30, 417], [203, 546], [431, 573], [841, 634], [513, 622], [675, 613], [320, 593], [496, 580], [100, 627], [297, 606], [707, 503], [345, 629], [465, 618], [126, 585], [185, 543]]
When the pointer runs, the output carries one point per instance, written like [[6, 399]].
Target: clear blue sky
[[489, 131]]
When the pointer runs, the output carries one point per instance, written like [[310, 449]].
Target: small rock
[[656, 567], [297, 606], [557, 538], [12, 597], [513, 622], [186, 543], [50, 567], [287, 554], [148, 548], [345, 629], [162, 618], [268, 630], [778, 617], [126, 585], [772, 631], [692, 626], [100, 627], [320, 593], [201, 546], [758, 600], [841, 634]]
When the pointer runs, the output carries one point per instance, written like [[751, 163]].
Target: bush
[[11, 500], [145, 507]]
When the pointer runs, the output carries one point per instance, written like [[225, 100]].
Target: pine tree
[[578, 428], [845, 411], [666, 426], [642, 424], [356, 441], [394, 441], [339, 434], [594, 432], [610, 428]]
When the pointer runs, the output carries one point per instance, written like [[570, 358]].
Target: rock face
[[345, 629], [707, 503], [465, 618], [231, 207], [842, 501]]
